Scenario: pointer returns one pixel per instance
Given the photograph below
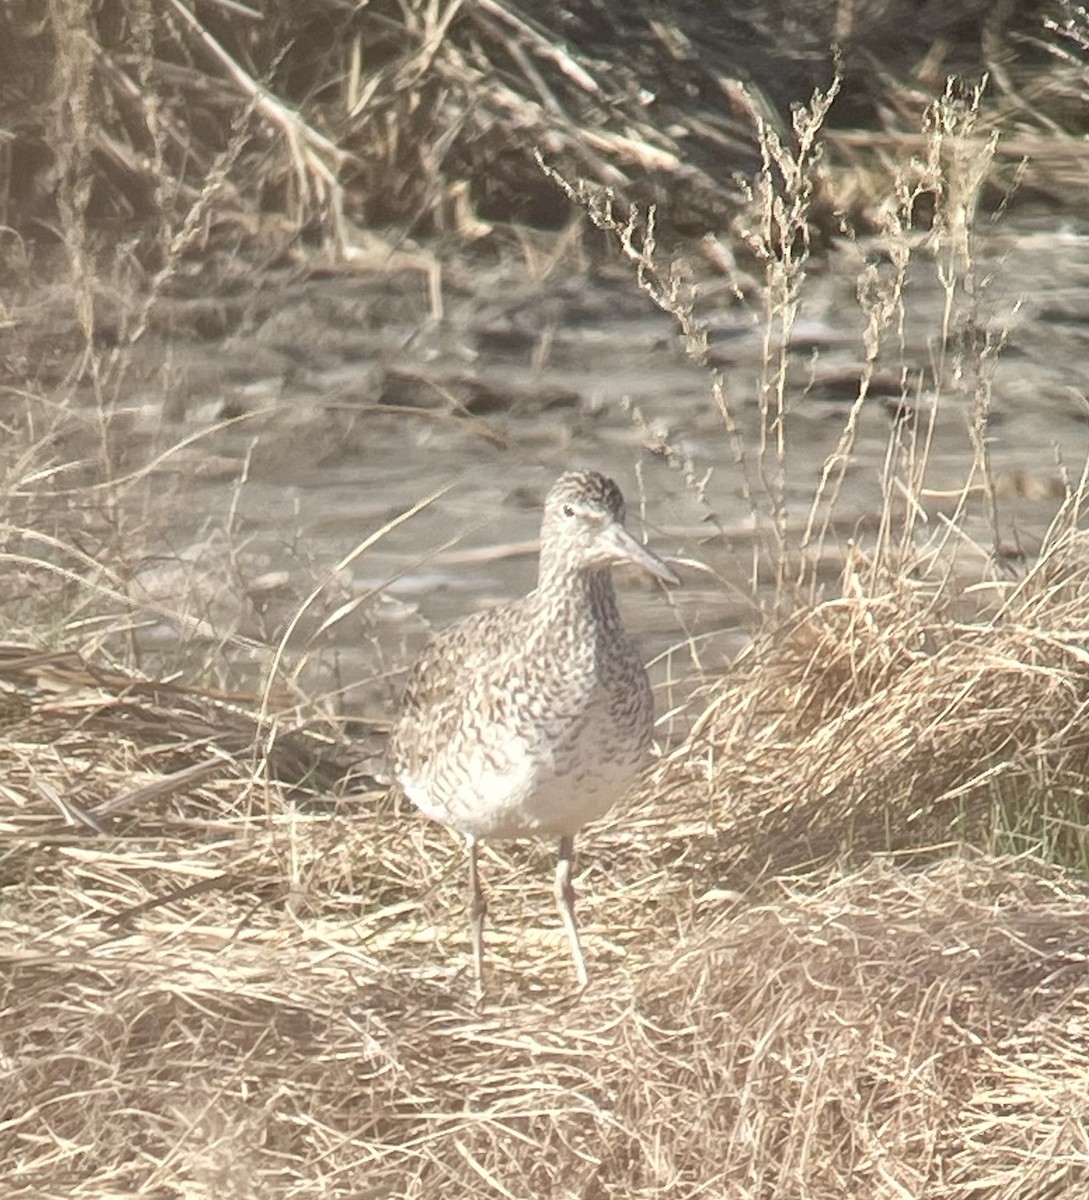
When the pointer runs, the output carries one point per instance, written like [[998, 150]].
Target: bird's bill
[[622, 547]]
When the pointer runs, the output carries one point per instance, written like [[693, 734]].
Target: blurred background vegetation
[[302, 117]]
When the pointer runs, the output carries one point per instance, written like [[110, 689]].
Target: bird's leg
[[478, 909], [565, 902]]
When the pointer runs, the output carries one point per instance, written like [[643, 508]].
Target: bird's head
[[583, 528]]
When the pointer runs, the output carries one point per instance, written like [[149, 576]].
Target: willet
[[532, 718]]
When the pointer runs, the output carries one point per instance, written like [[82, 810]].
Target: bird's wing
[[455, 664]]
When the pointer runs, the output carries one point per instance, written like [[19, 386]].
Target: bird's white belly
[[512, 789]]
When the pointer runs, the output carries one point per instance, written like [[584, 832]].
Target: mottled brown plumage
[[532, 718]]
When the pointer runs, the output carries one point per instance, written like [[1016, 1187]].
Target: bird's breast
[[545, 758]]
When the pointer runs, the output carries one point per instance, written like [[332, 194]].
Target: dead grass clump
[[887, 1034], [104, 750], [876, 722]]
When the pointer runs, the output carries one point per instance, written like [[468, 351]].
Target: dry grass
[[291, 1017], [881, 721], [222, 979], [818, 971], [301, 119]]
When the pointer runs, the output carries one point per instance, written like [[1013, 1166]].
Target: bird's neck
[[578, 597]]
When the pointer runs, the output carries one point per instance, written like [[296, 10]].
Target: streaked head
[[583, 528]]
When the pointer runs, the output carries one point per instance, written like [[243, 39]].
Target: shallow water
[[349, 405]]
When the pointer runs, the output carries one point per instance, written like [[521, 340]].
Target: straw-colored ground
[[229, 987]]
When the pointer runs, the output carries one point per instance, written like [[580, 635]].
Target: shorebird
[[532, 718]]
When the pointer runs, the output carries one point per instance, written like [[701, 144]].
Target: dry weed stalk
[[930, 699]]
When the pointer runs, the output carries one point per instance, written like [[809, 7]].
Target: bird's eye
[[568, 510]]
